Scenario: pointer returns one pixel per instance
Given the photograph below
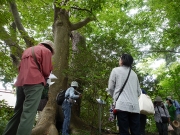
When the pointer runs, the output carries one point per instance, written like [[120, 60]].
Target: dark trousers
[[128, 121], [142, 123], [28, 98], [162, 128]]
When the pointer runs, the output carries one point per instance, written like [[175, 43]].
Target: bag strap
[[121, 90], [35, 59], [163, 109]]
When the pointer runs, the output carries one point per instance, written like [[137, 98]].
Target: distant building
[[9, 96]]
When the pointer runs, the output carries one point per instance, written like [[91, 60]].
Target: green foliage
[[6, 113], [149, 30], [169, 81], [151, 125]]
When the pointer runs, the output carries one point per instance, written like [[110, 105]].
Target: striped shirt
[[159, 112]]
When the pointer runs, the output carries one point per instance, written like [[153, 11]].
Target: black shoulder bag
[[46, 87], [121, 90]]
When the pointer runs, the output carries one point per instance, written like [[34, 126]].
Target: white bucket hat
[[74, 83], [50, 43]]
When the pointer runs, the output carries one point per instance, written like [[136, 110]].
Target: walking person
[[29, 86], [127, 104], [172, 112], [161, 116], [177, 115], [176, 105], [171, 109], [67, 104]]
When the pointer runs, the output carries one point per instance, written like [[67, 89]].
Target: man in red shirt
[[30, 83]]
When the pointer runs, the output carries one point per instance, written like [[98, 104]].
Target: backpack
[[60, 97]]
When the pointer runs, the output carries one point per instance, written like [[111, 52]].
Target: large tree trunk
[[47, 122], [62, 30]]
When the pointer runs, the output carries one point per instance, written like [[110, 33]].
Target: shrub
[[6, 113]]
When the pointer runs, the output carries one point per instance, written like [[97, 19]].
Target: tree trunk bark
[[47, 122], [62, 28]]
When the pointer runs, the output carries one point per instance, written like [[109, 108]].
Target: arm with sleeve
[[111, 83], [138, 88], [176, 104], [71, 93]]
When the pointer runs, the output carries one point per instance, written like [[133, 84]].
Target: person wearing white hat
[[34, 69], [48, 44], [67, 104]]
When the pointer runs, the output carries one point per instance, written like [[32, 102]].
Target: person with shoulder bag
[[29, 87], [124, 88], [161, 116]]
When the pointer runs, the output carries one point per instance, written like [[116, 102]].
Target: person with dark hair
[[127, 104], [161, 116], [172, 112], [171, 109], [67, 104], [174, 118], [29, 86]]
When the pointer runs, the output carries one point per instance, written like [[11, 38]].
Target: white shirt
[[128, 100]]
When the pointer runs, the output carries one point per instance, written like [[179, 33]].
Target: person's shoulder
[[71, 88], [118, 68], [42, 48], [114, 69], [27, 52]]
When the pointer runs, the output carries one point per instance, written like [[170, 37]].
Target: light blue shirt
[[70, 93], [177, 105]]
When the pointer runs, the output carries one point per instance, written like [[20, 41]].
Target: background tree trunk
[[62, 28], [60, 63]]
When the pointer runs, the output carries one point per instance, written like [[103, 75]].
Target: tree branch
[[77, 8], [90, 11], [28, 40], [160, 51], [12, 44], [81, 24], [65, 2]]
